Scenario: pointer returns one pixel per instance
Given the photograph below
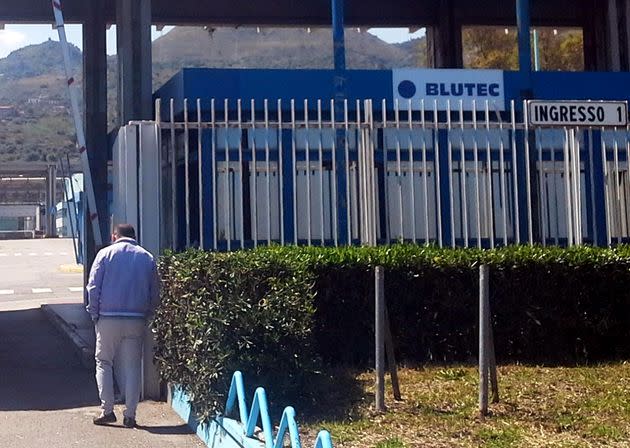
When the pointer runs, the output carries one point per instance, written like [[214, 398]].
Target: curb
[[82, 349]]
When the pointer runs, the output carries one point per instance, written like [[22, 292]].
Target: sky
[[14, 37]]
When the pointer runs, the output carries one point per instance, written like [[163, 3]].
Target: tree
[[493, 47], [490, 47]]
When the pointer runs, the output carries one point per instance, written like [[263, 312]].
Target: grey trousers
[[119, 341]]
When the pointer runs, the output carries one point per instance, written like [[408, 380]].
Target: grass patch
[[607, 432], [391, 443], [553, 407], [499, 438]]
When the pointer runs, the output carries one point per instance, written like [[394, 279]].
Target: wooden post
[[379, 334]]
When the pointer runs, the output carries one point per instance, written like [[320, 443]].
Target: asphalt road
[[46, 397], [33, 272]]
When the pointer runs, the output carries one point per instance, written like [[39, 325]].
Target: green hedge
[[273, 312], [223, 312], [549, 305]]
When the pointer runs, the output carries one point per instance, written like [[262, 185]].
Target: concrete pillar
[[595, 40], [612, 34], [597, 37], [95, 105], [446, 39], [133, 33]]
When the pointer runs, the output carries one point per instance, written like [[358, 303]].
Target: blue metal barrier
[[260, 410]]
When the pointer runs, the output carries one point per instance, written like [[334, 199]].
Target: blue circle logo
[[407, 89]]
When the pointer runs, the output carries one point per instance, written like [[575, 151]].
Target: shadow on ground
[[164, 430], [332, 395], [39, 370]]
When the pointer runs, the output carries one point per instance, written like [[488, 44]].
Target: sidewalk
[[72, 321], [47, 398]]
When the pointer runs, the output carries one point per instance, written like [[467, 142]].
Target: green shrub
[[248, 311], [269, 312]]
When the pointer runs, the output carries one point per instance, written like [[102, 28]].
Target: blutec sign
[[439, 86]]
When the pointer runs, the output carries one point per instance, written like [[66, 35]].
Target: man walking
[[122, 295]]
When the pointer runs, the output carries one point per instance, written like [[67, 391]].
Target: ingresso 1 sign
[[578, 113]]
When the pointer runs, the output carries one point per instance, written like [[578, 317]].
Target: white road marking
[[76, 289], [48, 253], [3, 255], [6, 292], [41, 290], [18, 254], [33, 254], [63, 253]]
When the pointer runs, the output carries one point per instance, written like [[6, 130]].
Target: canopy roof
[[315, 12]]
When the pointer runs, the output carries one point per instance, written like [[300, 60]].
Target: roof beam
[[399, 13]]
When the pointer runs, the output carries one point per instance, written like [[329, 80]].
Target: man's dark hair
[[125, 231]]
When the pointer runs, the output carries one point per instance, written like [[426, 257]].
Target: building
[[7, 112]]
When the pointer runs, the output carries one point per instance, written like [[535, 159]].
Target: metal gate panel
[[289, 173]]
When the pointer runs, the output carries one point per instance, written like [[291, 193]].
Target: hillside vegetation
[[35, 123]]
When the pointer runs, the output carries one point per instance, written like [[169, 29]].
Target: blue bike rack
[[260, 410], [223, 431]]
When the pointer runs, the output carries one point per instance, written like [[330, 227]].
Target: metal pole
[[187, 172], [463, 183], [200, 175], [425, 172], [449, 152], [379, 286], [523, 21], [239, 106], [436, 167], [253, 178], [391, 358], [320, 155], [412, 186], [476, 162], [484, 278], [307, 155], [215, 178], [173, 153], [342, 179], [536, 51], [339, 44], [517, 218]]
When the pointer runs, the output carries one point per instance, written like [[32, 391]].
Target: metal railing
[[260, 411], [239, 174]]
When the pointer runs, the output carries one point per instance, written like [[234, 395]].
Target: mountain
[[292, 48], [37, 60], [34, 121]]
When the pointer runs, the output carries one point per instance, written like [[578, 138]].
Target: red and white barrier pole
[[78, 124]]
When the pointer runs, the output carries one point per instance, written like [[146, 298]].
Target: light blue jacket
[[123, 282]]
